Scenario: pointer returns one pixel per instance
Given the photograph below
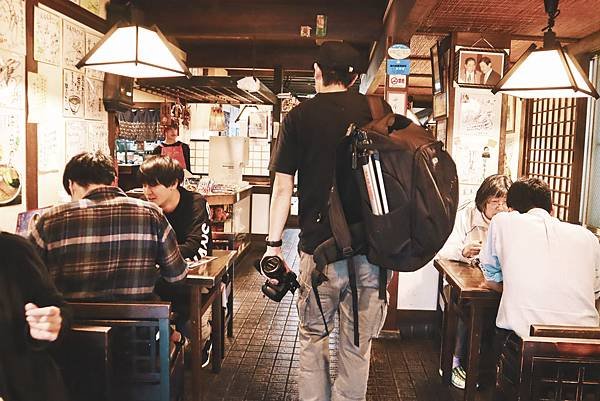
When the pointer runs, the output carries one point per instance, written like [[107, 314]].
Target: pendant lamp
[[547, 72], [135, 51], [216, 119]]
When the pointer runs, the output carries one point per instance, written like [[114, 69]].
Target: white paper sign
[[73, 88], [12, 25], [46, 37]]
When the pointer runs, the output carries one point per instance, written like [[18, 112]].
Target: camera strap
[[318, 298]]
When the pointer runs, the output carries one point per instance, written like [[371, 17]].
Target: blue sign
[[398, 67]]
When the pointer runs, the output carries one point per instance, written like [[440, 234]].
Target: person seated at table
[[189, 215], [464, 244], [33, 314], [548, 271], [172, 147], [104, 245]]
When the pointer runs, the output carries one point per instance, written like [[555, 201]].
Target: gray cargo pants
[[353, 362]]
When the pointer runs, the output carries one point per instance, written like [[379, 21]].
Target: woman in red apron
[[172, 147]]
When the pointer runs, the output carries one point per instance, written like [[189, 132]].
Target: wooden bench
[[132, 354], [555, 363]]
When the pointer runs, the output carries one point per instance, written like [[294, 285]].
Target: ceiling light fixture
[[547, 72], [136, 51]]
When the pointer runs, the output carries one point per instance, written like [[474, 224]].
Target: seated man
[[547, 270], [104, 245], [189, 215]]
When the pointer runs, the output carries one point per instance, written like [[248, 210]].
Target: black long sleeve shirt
[[191, 222], [27, 371]]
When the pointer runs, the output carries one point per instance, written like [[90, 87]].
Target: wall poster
[[37, 93], [73, 44], [94, 108], [12, 80], [476, 138], [97, 137], [90, 41], [46, 37], [92, 6], [397, 100], [76, 139], [73, 94], [12, 147], [47, 148], [12, 25]]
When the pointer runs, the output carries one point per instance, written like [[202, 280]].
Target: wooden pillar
[[31, 142]]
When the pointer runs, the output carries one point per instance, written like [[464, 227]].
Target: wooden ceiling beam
[[279, 20], [248, 56], [402, 21]]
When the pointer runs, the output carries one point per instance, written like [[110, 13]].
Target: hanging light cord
[[552, 10]]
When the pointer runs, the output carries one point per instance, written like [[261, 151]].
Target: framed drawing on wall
[[439, 105], [258, 125], [479, 68], [437, 69]]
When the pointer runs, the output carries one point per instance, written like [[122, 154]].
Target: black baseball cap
[[339, 56]]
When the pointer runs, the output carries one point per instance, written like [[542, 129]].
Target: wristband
[[273, 244]]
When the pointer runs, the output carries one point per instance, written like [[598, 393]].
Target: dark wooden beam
[[255, 20], [77, 13], [589, 44], [299, 56], [403, 19]]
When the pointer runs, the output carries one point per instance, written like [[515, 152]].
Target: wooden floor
[[261, 361]]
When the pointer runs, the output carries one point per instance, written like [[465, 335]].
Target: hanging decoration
[[216, 119]]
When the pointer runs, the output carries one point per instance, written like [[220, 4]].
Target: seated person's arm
[[489, 262], [198, 241], [454, 246], [46, 312], [171, 264]]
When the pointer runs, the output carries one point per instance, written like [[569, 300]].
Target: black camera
[[273, 267]]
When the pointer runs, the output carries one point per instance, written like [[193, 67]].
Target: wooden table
[[209, 276], [470, 298]]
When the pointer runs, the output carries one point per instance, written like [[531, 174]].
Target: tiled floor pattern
[[262, 360]]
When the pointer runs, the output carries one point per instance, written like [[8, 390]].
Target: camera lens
[[270, 266]]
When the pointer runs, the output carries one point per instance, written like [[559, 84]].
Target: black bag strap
[[377, 111], [343, 239]]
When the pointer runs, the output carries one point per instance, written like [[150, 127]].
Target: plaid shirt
[[107, 245]]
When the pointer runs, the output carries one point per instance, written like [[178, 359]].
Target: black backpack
[[421, 187]]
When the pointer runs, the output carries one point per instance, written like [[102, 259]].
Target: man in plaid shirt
[[104, 245]]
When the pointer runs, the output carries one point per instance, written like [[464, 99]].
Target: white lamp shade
[[546, 73], [134, 51]]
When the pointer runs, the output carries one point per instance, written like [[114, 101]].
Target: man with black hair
[[307, 145], [547, 270], [189, 215], [104, 245], [187, 212], [488, 75]]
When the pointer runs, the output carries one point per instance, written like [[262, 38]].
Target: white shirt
[[550, 270], [468, 221]]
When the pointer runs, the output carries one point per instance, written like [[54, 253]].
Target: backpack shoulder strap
[[376, 106]]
